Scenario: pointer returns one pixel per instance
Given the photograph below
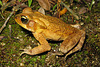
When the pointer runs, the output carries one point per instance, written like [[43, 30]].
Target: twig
[[2, 16], [16, 8], [4, 25], [10, 30], [70, 10], [7, 5]]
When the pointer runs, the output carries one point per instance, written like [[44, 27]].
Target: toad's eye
[[24, 19]]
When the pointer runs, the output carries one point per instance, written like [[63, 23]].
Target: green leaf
[[1, 3], [19, 0], [54, 7], [29, 2]]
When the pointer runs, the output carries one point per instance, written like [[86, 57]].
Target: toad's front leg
[[43, 47]]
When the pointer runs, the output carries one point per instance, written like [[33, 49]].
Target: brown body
[[50, 28]]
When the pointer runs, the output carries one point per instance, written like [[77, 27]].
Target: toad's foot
[[27, 50]]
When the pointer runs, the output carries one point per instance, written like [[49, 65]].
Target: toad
[[45, 28]]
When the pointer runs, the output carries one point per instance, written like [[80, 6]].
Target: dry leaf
[[41, 10], [82, 10], [1, 37], [63, 11], [44, 4]]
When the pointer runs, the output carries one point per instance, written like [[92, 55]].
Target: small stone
[[3, 44], [92, 62], [32, 41], [21, 64], [17, 37]]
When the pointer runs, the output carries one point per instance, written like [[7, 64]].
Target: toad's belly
[[49, 35]]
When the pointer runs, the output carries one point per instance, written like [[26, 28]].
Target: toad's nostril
[[15, 17]]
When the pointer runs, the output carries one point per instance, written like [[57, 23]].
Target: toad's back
[[55, 25]]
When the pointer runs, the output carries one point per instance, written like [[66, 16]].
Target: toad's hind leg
[[78, 46], [73, 43]]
